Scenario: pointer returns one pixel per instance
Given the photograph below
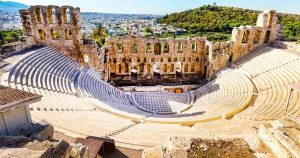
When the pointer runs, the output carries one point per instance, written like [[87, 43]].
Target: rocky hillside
[[222, 20]]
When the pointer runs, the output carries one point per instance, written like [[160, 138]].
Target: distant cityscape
[[115, 24]]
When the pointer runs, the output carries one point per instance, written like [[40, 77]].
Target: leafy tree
[[148, 30]]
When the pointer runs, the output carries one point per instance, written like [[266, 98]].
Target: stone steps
[[281, 137]]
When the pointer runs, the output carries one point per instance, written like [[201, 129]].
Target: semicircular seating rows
[[46, 69], [272, 70]]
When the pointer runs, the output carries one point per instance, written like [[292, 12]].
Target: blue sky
[[166, 6]]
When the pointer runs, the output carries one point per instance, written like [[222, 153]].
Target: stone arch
[[126, 67], [157, 49], [166, 47], [55, 34], [245, 36], [257, 36], [119, 47], [119, 68], [66, 15], [141, 66], [148, 67], [175, 59], [52, 15], [134, 48], [186, 67], [172, 68], [193, 67], [41, 34], [194, 47], [180, 47], [68, 34], [38, 15], [148, 48], [267, 36], [165, 68]]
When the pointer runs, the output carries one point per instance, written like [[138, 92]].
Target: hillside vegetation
[[216, 22]]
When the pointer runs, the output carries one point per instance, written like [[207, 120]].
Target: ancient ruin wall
[[149, 56], [140, 57], [191, 57]]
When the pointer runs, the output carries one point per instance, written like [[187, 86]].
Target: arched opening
[[193, 67], [52, 16], [172, 68], [165, 67], [142, 68], [68, 34], [38, 14], [148, 48], [245, 36], [119, 68], [113, 70], [133, 48], [66, 15], [169, 59], [179, 47], [134, 73], [156, 70], [41, 34], [207, 50], [157, 48], [186, 67], [194, 47], [267, 37], [197, 59], [175, 59], [119, 47], [126, 68], [178, 68], [148, 68], [54, 34], [166, 47], [257, 36]]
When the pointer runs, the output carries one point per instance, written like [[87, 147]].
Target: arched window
[[157, 48], [172, 68], [152, 59], [175, 59], [148, 68], [194, 47], [267, 37], [119, 68], [186, 67], [41, 34], [165, 68], [148, 48], [169, 59], [161, 59], [54, 34], [197, 59], [257, 36], [126, 68], [52, 15], [68, 34], [38, 14], [180, 47], [166, 47], [138, 59], [193, 67], [141, 68], [133, 48], [119, 47], [245, 36]]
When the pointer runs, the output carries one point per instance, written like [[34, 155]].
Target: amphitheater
[[257, 94]]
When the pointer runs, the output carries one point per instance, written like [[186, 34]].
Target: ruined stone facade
[[134, 59], [138, 58], [59, 27]]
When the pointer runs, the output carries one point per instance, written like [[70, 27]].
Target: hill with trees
[[217, 22]]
